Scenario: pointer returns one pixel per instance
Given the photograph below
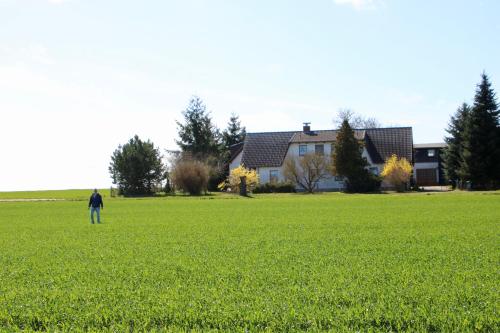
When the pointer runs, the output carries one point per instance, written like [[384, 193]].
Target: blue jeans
[[97, 210]]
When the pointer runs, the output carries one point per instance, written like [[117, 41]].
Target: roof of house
[[429, 145], [269, 149], [235, 149], [322, 136], [265, 149], [381, 143]]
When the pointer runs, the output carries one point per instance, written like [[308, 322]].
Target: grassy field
[[411, 262]]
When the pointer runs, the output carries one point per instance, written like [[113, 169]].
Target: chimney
[[306, 128]]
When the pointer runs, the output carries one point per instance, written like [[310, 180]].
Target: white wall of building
[[236, 162]]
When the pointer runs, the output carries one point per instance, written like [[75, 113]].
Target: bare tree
[[307, 171], [355, 120]]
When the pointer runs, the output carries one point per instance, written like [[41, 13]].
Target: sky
[[80, 77]]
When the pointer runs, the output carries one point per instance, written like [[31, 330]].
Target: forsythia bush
[[233, 181], [397, 172]]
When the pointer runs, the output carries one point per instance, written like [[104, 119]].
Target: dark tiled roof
[[383, 142], [235, 149], [269, 149], [265, 149], [322, 136]]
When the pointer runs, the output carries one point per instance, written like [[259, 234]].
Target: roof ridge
[[324, 130]]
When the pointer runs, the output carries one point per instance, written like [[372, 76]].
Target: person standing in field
[[95, 205]]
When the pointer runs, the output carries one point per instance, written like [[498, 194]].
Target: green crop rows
[[336, 262]]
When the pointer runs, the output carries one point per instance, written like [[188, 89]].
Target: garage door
[[427, 177]]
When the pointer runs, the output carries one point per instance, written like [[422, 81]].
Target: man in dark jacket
[[95, 205]]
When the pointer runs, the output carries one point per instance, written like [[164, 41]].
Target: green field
[[410, 262]]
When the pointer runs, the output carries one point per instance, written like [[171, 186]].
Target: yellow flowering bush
[[397, 171], [234, 180]]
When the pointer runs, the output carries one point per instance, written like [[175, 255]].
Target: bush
[[397, 171], [190, 177], [234, 180], [363, 183], [275, 188]]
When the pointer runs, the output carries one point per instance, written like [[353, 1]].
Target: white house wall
[[236, 162]]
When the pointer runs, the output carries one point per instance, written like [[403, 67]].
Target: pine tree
[[198, 136], [481, 145], [234, 133], [348, 162], [136, 167], [453, 151]]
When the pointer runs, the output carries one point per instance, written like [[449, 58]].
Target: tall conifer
[[480, 161]]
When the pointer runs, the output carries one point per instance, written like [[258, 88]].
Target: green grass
[[411, 262], [52, 194]]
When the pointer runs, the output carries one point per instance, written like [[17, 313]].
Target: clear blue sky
[[79, 77]]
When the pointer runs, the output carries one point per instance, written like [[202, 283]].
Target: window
[[374, 170], [273, 176], [431, 153], [319, 149], [302, 150]]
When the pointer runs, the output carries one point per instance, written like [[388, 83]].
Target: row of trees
[[137, 167], [473, 145]]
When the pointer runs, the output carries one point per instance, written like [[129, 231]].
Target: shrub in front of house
[[232, 183], [280, 187], [397, 171], [363, 182], [190, 177]]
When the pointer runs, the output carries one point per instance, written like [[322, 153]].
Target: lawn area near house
[[401, 262]]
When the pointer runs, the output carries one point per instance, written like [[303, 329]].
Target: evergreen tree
[[234, 133], [198, 136], [136, 167], [480, 161], [348, 162], [453, 152]]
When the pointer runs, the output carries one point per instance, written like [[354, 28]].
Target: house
[[265, 152], [428, 164]]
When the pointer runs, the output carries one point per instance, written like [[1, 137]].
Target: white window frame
[[274, 179], [431, 152], [322, 150], [301, 153]]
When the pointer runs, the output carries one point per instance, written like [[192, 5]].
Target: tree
[[136, 167], [234, 133], [397, 171], [355, 120], [198, 136], [480, 161], [308, 171], [349, 163], [453, 152], [200, 139]]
